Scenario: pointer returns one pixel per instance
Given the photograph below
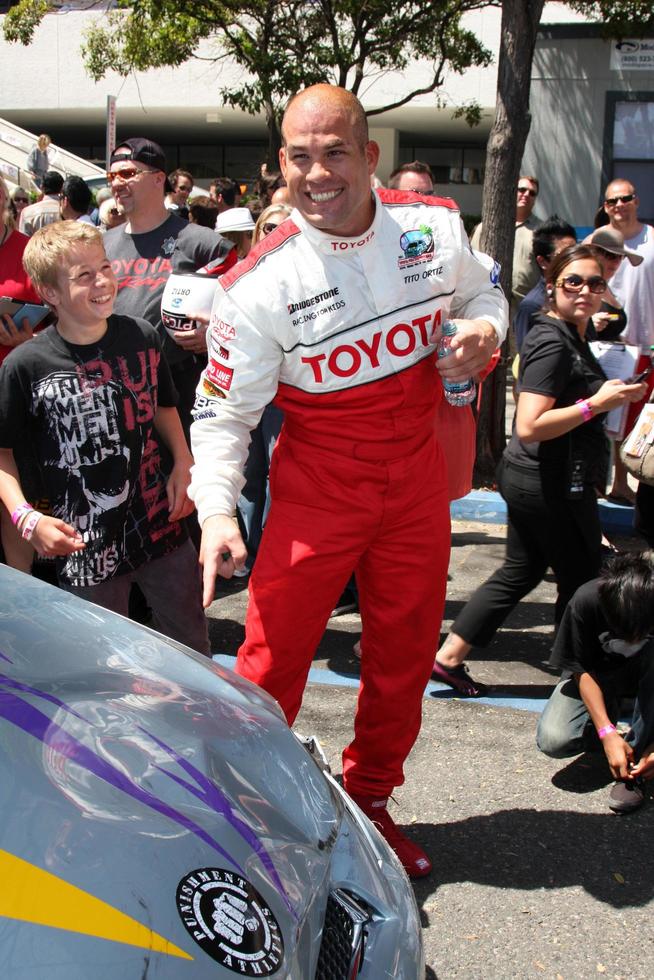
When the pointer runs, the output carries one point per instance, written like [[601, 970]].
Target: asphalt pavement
[[534, 876]]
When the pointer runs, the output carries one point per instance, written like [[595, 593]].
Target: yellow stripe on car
[[33, 895]]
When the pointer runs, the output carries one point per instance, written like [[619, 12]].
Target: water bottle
[[458, 393]]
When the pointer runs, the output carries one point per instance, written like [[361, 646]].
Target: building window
[[630, 142], [449, 164]]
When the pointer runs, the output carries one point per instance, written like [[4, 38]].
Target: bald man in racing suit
[[337, 315]]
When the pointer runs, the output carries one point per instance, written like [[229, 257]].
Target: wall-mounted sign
[[632, 54]]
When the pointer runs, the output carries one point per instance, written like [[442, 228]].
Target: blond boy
[[88, 394]]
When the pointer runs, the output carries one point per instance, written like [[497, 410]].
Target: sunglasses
[[21, 200], [620, 199], [574, 283], [127, 174], [527, 190], [114, 211], [605, 254], [269, 227]]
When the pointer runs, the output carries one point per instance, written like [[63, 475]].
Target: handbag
[[637, 450]]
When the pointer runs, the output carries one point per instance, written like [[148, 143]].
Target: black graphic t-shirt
[[88, 412], [142, 264]]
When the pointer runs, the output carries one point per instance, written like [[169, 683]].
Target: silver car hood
[[135, 775]]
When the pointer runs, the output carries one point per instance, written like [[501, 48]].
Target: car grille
[[343, 937]]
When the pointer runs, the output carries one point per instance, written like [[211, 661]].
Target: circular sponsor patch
[[227, 917]]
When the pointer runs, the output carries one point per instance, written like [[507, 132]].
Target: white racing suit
[[342, 333]]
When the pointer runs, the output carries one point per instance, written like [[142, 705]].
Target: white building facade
[[592, 112]]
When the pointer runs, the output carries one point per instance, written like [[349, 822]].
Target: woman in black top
[[556, 458]]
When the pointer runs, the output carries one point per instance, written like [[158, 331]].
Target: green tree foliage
[[286, 45], [282, 45], [620, 18], [506, 144]]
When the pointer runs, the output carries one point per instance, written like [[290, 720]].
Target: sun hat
[[611, 240], [235, 219]]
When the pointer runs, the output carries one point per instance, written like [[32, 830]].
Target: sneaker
[[625, 797], [460, 679], [412, 857]]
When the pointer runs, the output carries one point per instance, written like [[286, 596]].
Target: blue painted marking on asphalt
[[488, 507], [434, 689], [495, 701]]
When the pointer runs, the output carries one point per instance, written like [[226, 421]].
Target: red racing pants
[[389, 521]]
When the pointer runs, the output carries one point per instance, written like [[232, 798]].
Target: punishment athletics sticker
[[227, 918]]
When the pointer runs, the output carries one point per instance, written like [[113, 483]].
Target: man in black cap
[[153, 244]]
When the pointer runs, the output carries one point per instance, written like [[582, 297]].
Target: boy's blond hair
[[53, 243]]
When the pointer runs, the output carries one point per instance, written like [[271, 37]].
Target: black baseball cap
[[142, 150]]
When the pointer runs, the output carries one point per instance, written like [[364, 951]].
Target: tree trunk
[[274, 138], [506, 144]]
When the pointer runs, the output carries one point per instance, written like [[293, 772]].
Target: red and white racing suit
[[342, 333]]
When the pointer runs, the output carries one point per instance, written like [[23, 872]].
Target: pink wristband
[[607, 730], [29, 524], [20, 512], [585, 408]]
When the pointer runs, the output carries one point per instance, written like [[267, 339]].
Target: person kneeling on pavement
[[605, 649]]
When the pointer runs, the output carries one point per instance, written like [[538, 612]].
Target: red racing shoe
[[412, 857]]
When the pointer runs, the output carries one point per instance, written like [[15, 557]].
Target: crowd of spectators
[[97, 402]]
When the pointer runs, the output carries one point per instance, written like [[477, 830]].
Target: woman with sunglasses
[[611, 323], [269, 219], [19, 201], [111, 215], [555, 460], [609, 247]]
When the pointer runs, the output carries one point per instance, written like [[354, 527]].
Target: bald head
[[323, 98], [619, 186], [621, 205], [327, 160]]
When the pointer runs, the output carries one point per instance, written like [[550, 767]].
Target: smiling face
[[577, 307], [86, 287], [137, 193], [527, 193], [326, 162], [181, 191], [623, 215]]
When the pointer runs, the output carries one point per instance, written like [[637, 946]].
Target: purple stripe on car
[[209, 793], [37, 724], [17, 686]]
